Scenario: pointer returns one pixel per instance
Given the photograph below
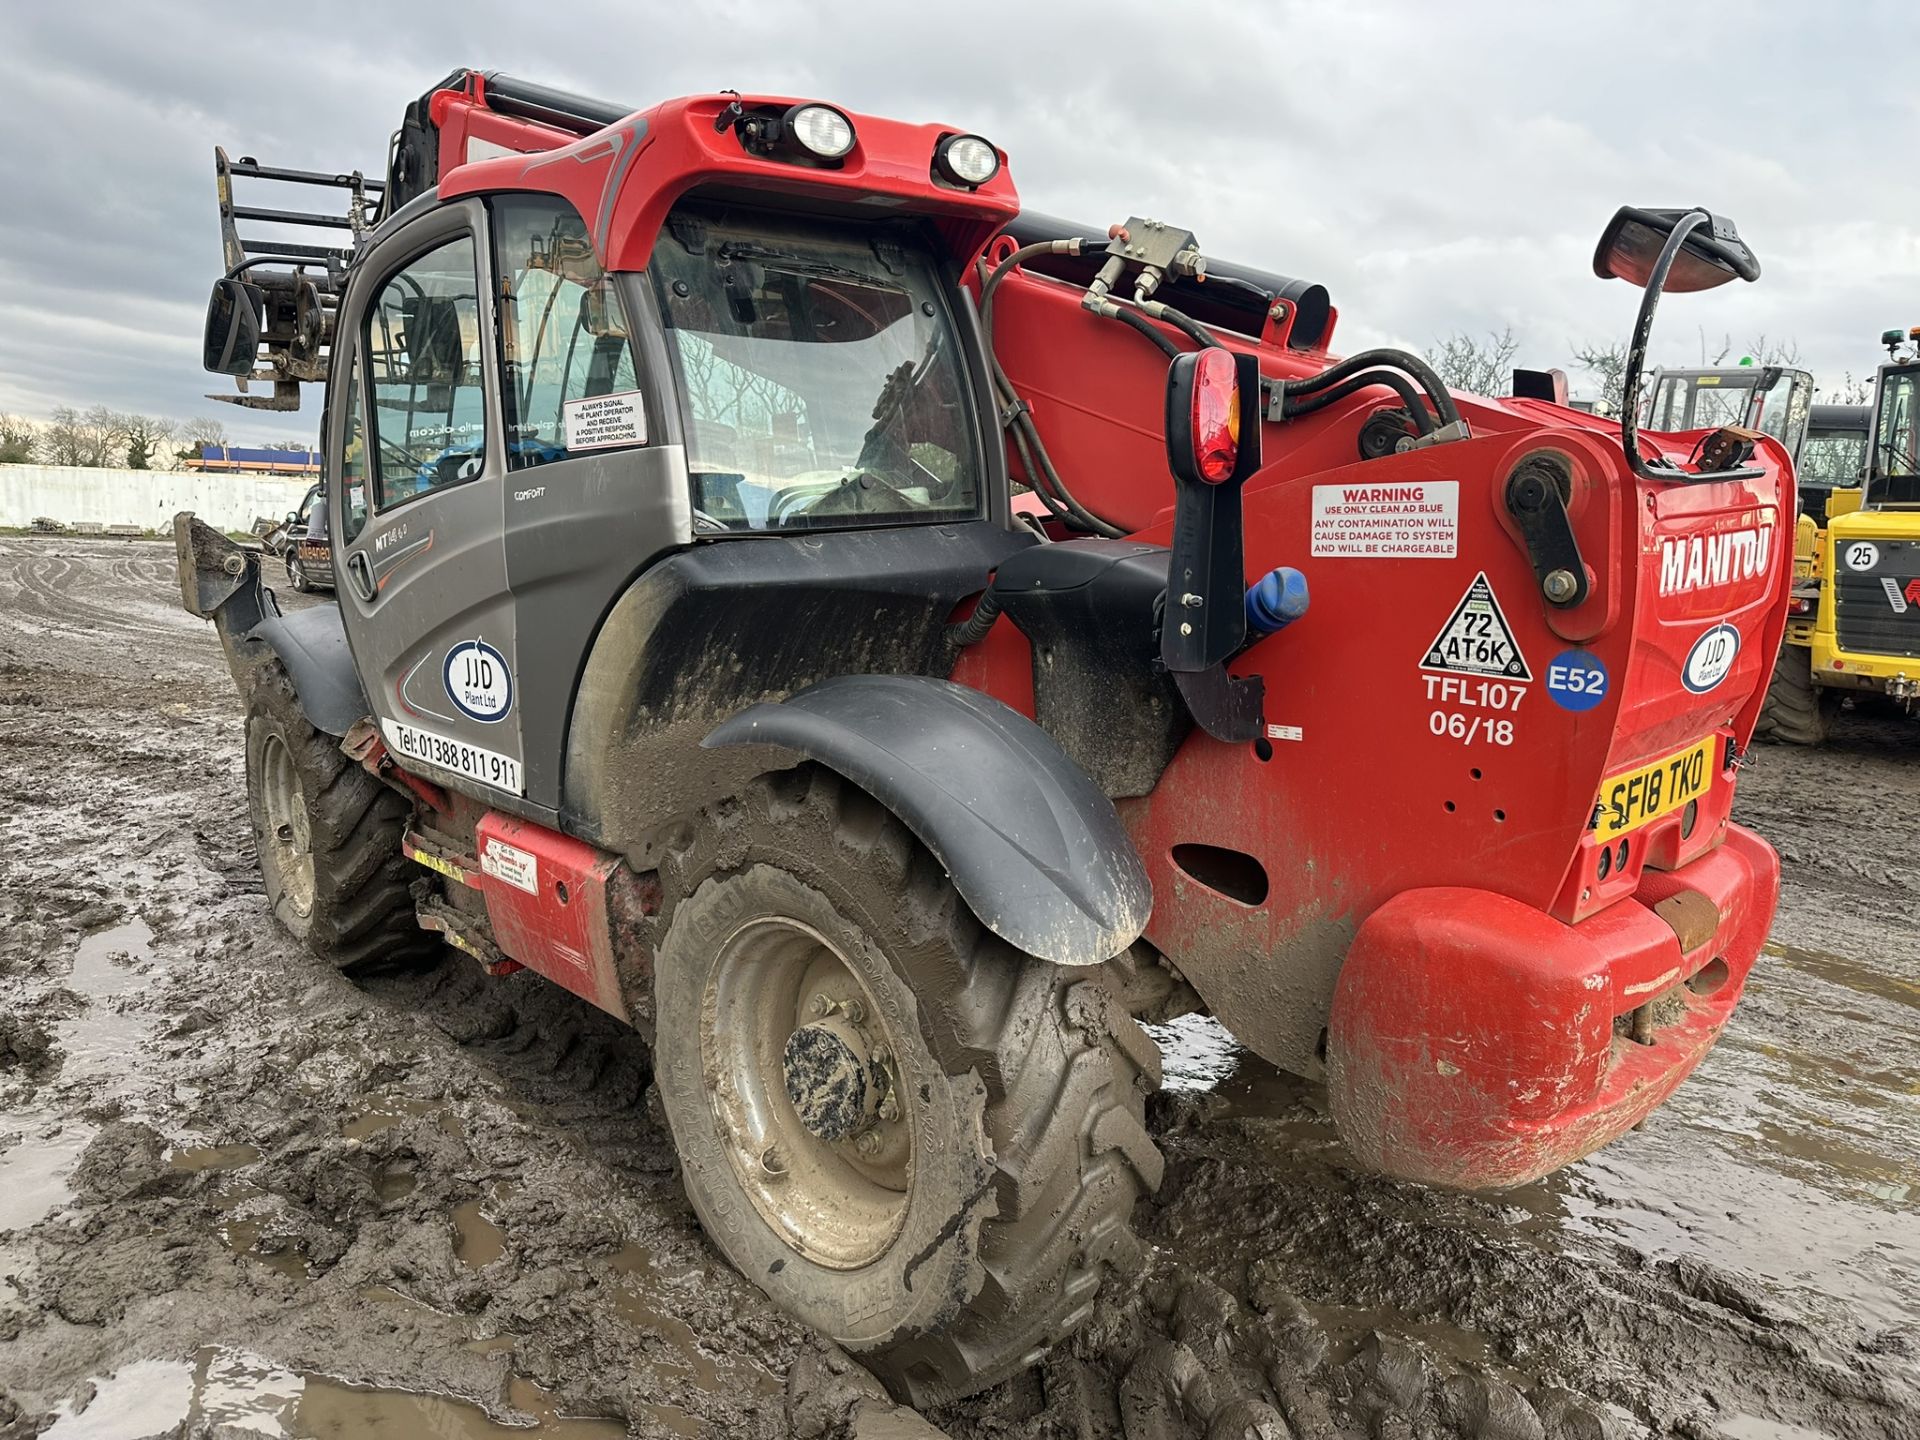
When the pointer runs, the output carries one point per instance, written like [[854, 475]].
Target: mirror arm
[[1665, 472]]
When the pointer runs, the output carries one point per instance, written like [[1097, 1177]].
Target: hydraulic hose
[[1293, 405], [973, 629], [1413, 365], [1039, 467]]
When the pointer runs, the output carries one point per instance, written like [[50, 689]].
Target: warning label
[[1417, 520], [1476, 640], [600, 422]]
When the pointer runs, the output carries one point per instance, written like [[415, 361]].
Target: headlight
[[820, 130], [966, 160]]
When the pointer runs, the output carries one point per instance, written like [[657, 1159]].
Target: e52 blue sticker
[[1576, 680]]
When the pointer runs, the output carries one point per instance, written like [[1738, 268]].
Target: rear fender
[[220, 581], [1032, 845]]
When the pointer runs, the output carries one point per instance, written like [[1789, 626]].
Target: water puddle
[[383, 1112], [109, 967], [392, 1185], [477, 1241], [213, 1157], [1863, 979], [33, 1174], [220, 1386]]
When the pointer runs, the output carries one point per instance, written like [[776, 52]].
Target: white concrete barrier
[[73, 494]]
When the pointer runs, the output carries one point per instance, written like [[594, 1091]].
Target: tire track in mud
[[451, 1185]]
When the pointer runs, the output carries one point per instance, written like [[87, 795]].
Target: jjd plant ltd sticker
[[479, 682], [1710, 659]]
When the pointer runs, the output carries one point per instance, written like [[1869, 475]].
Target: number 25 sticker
[[1862, 555]]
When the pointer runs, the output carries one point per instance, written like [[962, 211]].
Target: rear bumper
[[1477, 1042]]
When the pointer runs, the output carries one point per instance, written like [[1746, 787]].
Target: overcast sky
[[1439, 167]]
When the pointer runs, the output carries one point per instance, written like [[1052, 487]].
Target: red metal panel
[[548, 900]]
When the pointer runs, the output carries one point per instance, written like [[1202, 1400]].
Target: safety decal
[[1862, 555], [600, 422], [1476, 640], [478, 681], [509, 863], [1576, 680], [1417, 520], [1710, 659], [1286, 732]]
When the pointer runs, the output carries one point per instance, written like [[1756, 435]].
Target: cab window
[[567, 375], [1896, 443], [423, 351], [353, 462]]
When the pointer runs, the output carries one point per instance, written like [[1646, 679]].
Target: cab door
[[418, 507]]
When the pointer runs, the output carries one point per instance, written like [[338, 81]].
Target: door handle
[[360, 575]]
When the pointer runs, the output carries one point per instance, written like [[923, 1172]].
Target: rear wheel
[[1797, 712], [297, 573], [910, 1135], [328, 837]]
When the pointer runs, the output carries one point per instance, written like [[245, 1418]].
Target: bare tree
[[1760, 350], [144, 435], [90, 438], [1479, 365], [195, 433], [19, 441], [1607, 364], [1852, 390]]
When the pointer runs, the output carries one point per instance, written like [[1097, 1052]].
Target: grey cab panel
[[417, 505]]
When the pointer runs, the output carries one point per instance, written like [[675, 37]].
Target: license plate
[[1642, 796]]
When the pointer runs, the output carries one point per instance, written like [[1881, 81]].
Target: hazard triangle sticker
[[1476, 640]]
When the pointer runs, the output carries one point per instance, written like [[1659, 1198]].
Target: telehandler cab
[[689, 651]]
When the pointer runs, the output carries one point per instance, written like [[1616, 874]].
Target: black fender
[[312, 644], [220, 581], [1032, 844]]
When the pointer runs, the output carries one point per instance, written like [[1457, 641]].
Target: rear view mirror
[[1711, 254], [234, 317]]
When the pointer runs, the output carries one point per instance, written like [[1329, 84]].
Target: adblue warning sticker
[[1414, 520], [1476, 640], [1576, 680]]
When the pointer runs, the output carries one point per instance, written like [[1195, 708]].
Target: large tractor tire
[[328, 837], [910, 1135], [1797, 712]]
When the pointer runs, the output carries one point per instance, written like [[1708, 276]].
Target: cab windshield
[[818, 371], [1894, 476]]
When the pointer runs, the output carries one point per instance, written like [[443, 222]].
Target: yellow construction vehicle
[[1854, 623]]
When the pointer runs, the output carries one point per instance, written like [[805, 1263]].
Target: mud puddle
[[234, 1387]]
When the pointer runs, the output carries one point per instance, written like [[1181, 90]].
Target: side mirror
[[1710, 254], [234, 318]]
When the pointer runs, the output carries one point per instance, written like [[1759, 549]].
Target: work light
[[966, 160], [820, 130]]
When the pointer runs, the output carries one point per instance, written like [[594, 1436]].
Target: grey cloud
[[1438, 167]]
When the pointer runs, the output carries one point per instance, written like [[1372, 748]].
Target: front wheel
[[911, 1136], [1797, 711], [328, 837]]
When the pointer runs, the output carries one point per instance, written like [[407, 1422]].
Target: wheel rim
[[288, 835], [832, 1180]]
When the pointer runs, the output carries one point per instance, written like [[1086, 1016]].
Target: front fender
[[1032, 845]]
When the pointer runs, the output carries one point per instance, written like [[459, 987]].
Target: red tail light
[[1216, 415]]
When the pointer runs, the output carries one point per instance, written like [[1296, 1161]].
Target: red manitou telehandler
[[858, 631]]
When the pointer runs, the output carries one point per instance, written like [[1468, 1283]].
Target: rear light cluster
[[1216, 416]]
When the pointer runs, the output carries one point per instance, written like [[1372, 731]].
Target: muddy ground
[[241, 1196]]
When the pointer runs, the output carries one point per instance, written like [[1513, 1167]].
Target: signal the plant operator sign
[[1411, 520]]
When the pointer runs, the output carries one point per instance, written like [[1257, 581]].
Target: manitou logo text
[[1701, 562]]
